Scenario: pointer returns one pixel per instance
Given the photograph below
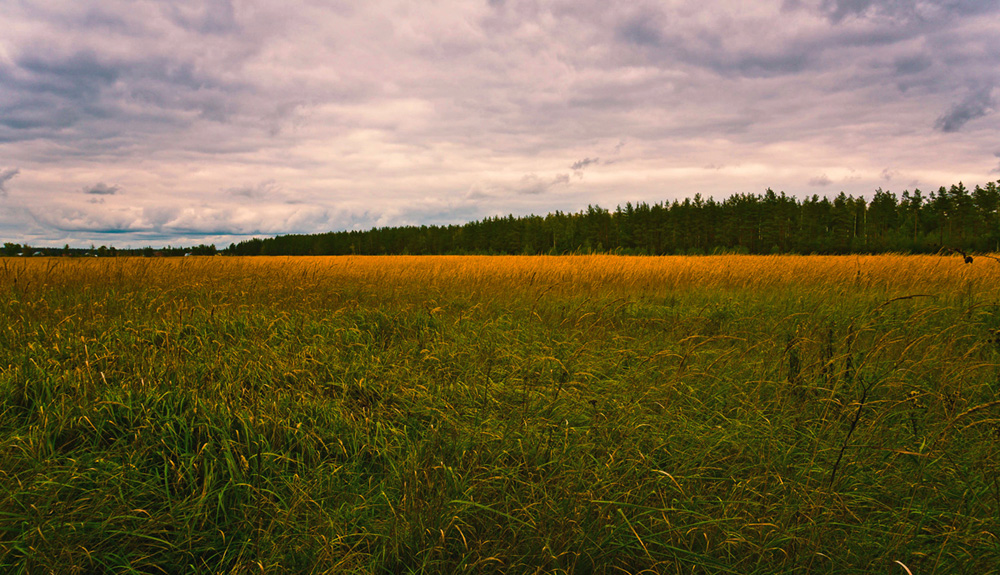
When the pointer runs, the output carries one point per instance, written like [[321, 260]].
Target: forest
[[769, 223], [954, 218]]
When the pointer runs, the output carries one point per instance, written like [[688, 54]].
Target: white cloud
[[159, 221]]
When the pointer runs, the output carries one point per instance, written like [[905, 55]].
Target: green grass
[[227, 418]]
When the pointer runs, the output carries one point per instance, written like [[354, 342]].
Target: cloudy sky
[[154, 122]]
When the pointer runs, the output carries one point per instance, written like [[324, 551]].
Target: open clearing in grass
[[582, 414]]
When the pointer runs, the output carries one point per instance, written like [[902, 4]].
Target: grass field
[[579, 414]]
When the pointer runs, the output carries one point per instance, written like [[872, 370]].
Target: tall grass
[[590, 414]]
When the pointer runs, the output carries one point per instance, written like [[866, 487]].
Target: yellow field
[[882, 273]]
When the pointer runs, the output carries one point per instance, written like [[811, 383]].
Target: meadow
[[570, 414]]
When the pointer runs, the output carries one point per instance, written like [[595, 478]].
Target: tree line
[[767, 223], [11, 249], [954, 218]]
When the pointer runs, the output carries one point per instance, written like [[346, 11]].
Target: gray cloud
[[665, 40], [840, 9], [975, 105], [531, 184], [527, 185], [820, 181], [80, 76], [207, 17], [641, 30], [840, 12], [581, 164], [120, 91], [255, 191], [7, 175], [47, 93], [101, 189], [911, 64], [662, 35]]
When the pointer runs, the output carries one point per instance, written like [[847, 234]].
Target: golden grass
[[888, 273]]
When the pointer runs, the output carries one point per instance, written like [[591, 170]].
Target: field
[[579, 414]]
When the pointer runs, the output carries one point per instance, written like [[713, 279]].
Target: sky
[[180, 122]]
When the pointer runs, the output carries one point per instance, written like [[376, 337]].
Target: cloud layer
[[192, 121]]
